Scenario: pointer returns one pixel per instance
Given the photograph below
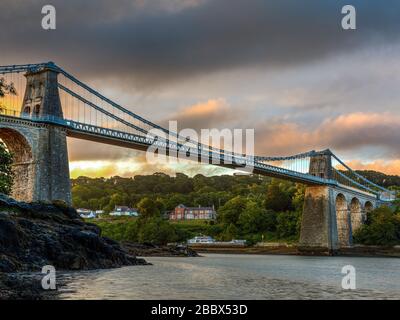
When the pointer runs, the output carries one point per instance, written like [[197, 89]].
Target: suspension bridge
[[56, 105]]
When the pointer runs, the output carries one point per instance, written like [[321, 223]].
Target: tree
[[229, 213], [256, 219], [156, 230], [288, 224], [298, 197], [381, 228], [6, 173], [148, 208], [175, 199], [230, 232], [6, 88], [277, 199]]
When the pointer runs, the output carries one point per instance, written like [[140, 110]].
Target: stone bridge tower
[[317, 223], [39, 148], [331, 212], [321, 165]]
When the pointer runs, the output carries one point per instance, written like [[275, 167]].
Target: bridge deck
[[137, 142]]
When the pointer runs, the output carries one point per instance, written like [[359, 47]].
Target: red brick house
[[182, 212]]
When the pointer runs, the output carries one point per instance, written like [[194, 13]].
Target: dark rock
[[23, 287], [39, 234]]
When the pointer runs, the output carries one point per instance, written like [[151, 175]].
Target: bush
[[381, 228], [156, 231], [288, 224], [118, 230]]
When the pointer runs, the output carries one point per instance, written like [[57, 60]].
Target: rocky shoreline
[[24, 286], [39, 234]]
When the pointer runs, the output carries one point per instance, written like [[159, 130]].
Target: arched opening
[[342, 221], [355, 214], [27, 110], [23, 164], [368, 207]]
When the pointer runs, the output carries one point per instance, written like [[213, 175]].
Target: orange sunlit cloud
[[388, 167], [345, 132], [205, 108], [350, 131]]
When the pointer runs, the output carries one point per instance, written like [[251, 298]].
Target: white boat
[[201, 239], [236, 241]]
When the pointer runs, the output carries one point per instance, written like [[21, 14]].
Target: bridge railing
[[348, 177], [9, 113]]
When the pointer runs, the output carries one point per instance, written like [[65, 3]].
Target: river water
[[223, 276]]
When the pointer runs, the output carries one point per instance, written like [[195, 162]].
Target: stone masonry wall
[[317, 219]]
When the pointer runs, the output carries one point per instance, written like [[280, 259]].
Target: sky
[[285, 68]]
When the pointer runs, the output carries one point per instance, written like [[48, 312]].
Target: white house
[[124, 211], [86, 213]]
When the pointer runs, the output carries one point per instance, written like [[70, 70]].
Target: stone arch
[[368, 207], [355, 214], [342, 221], [23, 164]]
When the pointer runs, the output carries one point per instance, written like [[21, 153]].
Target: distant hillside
[[380, 178]]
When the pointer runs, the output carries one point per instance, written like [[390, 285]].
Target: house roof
[[195, 208]]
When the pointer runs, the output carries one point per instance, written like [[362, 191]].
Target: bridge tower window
[[36, 110]]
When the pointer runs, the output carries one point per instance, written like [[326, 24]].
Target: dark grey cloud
[[151, 42]]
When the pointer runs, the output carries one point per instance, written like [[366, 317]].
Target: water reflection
[[238, 277]]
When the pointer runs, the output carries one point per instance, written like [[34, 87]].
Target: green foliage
[[381, 228], [288, 224], [380, 178], [298, 197], [6, 173], [255, 219], [156, 230], [248, 207], [169, 191], [148, 208], [191, 228], [230, 212], [119, 229], [277, 199], [230, 232]]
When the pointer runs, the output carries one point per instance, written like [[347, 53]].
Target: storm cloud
[[283, 67], [153, 42]]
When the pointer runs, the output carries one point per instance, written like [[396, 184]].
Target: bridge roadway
[[133, 141]]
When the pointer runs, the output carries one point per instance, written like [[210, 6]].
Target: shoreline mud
[[292, 249]]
